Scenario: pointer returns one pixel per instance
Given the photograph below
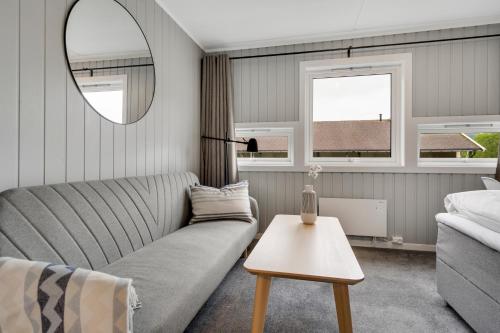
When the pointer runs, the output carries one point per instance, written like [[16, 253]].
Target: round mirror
[[110, 60]]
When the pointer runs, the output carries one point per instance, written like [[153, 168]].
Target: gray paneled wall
[[140, 81], [48, 134], [449, 79], [412, 199]]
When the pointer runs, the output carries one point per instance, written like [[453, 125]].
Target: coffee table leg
[[260, 305], [341, 293]]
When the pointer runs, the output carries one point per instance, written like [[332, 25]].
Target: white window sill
[[457, 164], [249, 164], [460, 169], [356, 162]]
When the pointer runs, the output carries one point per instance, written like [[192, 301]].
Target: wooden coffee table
[[319, 252]]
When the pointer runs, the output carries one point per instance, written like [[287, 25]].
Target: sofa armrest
[[254, 206]]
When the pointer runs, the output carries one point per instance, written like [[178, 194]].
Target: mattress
[[472, 229], [477, 263], [477, 308]]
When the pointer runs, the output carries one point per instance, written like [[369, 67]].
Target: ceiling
[[238, 24], [103, 30]]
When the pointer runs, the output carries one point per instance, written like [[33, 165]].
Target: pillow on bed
[[482, 207], [228, 203]]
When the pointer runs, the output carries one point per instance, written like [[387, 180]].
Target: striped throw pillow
[[228, 203]]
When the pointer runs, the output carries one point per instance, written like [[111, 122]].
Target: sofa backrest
[[91, 224]]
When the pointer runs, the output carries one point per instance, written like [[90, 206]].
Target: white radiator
[[358, 217]]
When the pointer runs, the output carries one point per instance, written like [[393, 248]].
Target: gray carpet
[[398, 295]]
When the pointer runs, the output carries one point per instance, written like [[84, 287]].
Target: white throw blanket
[[41, 297], [481, 207]]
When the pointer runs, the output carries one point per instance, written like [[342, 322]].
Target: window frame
[[255, 131], [100, 79], [456, 127], [398, 65]]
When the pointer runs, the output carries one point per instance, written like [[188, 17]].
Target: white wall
[[48, 134], [457, 78]]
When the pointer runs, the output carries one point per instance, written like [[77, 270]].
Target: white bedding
[[480, 233], [482, 207]]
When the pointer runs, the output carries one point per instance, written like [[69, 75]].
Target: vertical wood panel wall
[[48, 134], [458, 78], [449, 79], [412, 199]]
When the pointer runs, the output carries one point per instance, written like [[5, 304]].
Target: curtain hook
[[349, 51]]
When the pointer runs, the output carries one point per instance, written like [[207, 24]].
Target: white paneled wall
[[48, 134], [449, 79]]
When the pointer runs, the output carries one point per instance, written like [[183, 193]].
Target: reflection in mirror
[[110, 60]]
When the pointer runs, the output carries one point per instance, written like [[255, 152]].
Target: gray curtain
[[217, 121]]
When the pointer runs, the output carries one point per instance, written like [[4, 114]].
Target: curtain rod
[[350, 48], [85, 69]]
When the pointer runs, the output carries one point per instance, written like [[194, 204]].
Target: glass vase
[[309, 208]]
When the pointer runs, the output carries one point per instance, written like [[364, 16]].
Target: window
[[275, 146], [354, 110], [458, 144], [352, 116], [108, 94]]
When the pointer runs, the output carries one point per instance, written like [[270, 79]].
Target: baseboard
[[390, 245], [384, 245]]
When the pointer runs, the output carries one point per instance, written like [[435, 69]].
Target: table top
[[317, 252]]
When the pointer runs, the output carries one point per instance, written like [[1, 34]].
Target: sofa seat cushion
[[176, 274]]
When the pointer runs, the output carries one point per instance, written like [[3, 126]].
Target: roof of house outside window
[[449, 142], [358, 135], [365, 135]]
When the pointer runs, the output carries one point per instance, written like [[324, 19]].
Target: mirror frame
[[74, 79]]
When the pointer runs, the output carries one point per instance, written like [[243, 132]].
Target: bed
[[468, 258]]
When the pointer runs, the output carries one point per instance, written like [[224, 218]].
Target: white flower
[[314, 171]]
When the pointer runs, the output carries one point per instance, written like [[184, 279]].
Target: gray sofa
[[129, 227], [468, 278]]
